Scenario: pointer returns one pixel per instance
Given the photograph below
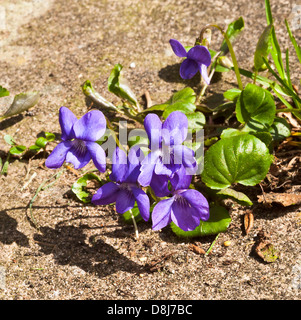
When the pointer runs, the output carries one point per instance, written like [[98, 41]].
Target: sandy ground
[[83, 252]]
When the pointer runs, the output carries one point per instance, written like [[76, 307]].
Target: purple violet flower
[[197, 59], [167, 152], [79, 136], [186, 208], [124, 190]]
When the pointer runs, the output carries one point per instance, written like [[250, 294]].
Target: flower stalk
[[234, 60]]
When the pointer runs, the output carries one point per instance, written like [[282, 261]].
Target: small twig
[[148, 99], [29, 181], [263, 193]]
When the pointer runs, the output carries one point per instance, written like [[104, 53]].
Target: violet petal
[[106, 194], [125, 201], [178, 48], [58, 156], [198, 202], [200, 54], [184, 216], [175, 128], [143, 203], [78, 155], [97, 154], [119, 165], [91, 126], [188, 69], [67, 120], [161, 215]]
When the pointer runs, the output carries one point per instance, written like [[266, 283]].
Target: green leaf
[[264, 136], [232, 94], [264, 81], [183, 100], [22, 102], [231, 132], [34, 148], [240, 159], [268, 12], [90, 92], [233, 30], [283, 83], [255, 103], [41, 142], [294, 42], [5, 165], [185, 95], [50, 136], [275, 51], [280, 129], [263, 48], [185, 107], [196, 120], [17, 150], [276, 55], [239, 197], [118, 85], [156, 107], [9, 139], [218, 222], [78, 188], [3, 92]]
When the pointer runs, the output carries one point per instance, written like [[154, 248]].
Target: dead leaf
[[290, 118], [248, 221], [196, 249], [285, 199], [265, 249], [267, 252]]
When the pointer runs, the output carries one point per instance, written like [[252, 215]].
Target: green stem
[[235, 64], [135, 224], [213, 243], [285, 110]]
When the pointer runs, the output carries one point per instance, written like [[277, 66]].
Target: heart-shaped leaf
[[218, 222], [78, 187], [280, 129], [255, 104], [183, 100], [196, 120], [240, 159]]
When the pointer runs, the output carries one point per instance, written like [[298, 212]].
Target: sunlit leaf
[[78, 188], [240, 159], [218, 222], [22, 102], [255, 103], [3, 92], [233, 30], [119, 86], [263, 48]]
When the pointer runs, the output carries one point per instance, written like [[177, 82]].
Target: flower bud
[[225, 62]]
